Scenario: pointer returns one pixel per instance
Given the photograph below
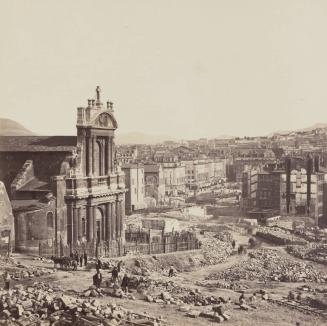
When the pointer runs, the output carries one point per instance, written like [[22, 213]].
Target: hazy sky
[[184, 68]]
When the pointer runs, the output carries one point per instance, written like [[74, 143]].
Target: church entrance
[[99, 226]]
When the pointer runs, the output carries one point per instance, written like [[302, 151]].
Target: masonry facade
[[67, 189]]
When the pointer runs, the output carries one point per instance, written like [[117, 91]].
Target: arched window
[[50, 220]]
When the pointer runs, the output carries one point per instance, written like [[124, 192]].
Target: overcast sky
[[183, 68]]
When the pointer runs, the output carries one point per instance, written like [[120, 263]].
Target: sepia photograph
[[163, 163]]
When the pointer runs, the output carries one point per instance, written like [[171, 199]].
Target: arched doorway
[[99, 224]]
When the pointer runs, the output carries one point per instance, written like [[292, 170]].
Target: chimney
[[108, 105], [93, 102]]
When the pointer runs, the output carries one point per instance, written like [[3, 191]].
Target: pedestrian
[[171, 271], [97, 279], [119, 266], [233, 244], [76, 256], [85, 258], [242, 296], [99, 264], [114, 274], [7, 278], [125, 283], [74, 264], [81, 260]]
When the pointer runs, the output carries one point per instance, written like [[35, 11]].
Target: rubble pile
[[314, 252], [215, 251], [224, 236], [278, 236], [222, 284], [117, 292], [47, 305], [167, 292], [268, 265]]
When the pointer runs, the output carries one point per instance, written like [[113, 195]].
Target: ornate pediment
[[105, 120]]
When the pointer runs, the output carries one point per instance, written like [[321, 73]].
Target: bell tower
[[95, 192], [96, 127]]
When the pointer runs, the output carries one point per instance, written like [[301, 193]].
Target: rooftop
[[37, 143]]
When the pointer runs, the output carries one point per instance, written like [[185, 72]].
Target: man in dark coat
[[81, 260], [125, 283], [85, 258], [97, 279]]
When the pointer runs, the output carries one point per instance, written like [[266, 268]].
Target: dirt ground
[[266, 313]]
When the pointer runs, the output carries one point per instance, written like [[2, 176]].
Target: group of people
[[97, 277], [252, 300], [78, 259]]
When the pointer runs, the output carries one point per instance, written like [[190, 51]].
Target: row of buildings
[[295, 187], [156, 183]]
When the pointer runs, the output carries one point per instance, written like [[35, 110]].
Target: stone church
[[66, 189]]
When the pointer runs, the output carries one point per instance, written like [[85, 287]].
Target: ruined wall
[[46, 164], [33, 227]]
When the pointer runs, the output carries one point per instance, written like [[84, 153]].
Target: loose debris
[[269, 265], [48, 306], [314, 252]]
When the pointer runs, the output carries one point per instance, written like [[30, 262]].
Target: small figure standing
[[81, 260], [76, 256], [233, 244], [125, 283], [114, 274], [97, 279], [119, 266], [74, 264], [99, 264], [171, 271], [7, 278], [85, 258]]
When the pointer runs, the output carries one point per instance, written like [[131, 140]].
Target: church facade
[[67, 189]]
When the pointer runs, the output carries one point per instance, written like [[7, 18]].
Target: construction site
[[176, 269]]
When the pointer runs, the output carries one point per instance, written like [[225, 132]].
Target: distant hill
[[140, 138], [12, 128], [318, 125]]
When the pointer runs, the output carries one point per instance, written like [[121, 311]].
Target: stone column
[[103, 157], [113, 220], [70, 224], [122, 216], [80, 224], [117, 219], [89, 223], [95, 223], [108, 222], [106, 155], [111, 159], [89, 157], [93, 154], [75, 224], [103, 224]]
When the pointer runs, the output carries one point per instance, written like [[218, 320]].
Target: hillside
[[12, 128], [140, 138]]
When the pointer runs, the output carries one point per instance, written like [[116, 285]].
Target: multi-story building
[[134, 182], [302, 190], [261, 189], [154, 182], [174, 175], [127, 154]]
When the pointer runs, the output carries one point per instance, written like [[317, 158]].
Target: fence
[[169, 243]]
